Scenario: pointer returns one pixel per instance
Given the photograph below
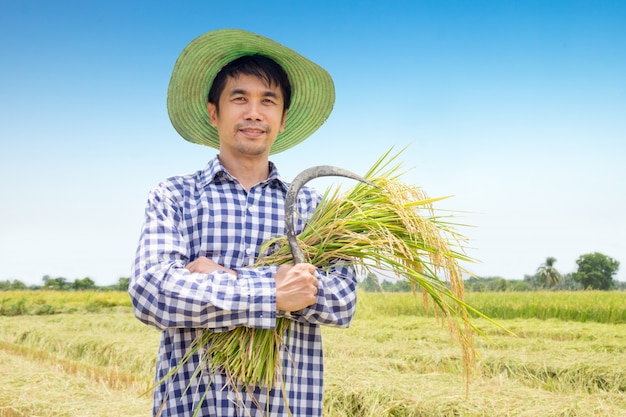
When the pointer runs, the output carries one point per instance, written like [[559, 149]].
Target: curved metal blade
[[292, 196]]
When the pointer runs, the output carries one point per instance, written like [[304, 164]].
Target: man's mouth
[[252, 131]]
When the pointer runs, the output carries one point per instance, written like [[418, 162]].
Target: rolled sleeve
[[261, 305], [336, 298]]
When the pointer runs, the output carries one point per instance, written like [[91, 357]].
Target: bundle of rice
[[390, 227]]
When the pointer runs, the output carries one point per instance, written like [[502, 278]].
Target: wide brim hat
[[312, 88]]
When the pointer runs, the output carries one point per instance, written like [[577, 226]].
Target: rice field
[[84, 354]]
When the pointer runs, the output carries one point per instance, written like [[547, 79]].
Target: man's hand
[[296, 287], [204, 265]]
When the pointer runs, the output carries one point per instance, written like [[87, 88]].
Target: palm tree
[[547, 273]]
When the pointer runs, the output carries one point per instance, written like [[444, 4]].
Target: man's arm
[[296, 286], [166, 294], [304, 292]]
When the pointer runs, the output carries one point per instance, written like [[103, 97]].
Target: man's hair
[[257, 65]]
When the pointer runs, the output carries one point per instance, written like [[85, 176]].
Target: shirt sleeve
[[166, 295], [336, 299]]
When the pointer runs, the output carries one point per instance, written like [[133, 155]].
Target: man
[[249, 97]]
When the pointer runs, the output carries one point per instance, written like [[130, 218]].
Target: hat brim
[[313, 91]]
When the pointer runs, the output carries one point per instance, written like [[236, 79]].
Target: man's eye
[[239, 99]]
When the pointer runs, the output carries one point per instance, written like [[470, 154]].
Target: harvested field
[[394, 360]]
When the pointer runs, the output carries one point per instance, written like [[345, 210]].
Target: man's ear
[[282, 123], [212, 110]]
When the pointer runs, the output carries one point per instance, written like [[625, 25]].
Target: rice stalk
[[391, 227]]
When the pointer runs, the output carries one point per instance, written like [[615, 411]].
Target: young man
[[249, 97]]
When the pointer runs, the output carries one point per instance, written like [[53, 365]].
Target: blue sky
[[516, 108]]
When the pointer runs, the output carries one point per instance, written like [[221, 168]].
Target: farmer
[[248, 97]]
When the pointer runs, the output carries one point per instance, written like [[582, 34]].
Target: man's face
[[250, 116]]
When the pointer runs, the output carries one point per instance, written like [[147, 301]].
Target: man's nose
[[253, 111]]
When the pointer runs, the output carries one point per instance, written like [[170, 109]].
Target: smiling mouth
[[252, 131]]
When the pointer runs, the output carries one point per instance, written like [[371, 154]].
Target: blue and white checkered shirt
[[210, 214]]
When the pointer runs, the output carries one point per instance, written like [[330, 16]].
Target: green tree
[[56, 284], [497, 284], [474, 284], [18, 285], [547, 274], [123, 283], [596, 271], [532, 281], [568, 284], [399, 285], [84, 284], [370, 283], [518, 285], [486, 284]]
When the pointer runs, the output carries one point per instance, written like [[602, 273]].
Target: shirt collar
[[214, 171]]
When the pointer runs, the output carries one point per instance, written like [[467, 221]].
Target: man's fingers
[[205, 265]]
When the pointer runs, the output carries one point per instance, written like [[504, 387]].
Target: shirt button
[[248, 251]]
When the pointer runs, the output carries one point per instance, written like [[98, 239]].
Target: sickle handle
[[292, 195]]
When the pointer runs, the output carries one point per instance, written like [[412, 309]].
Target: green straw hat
[[312, 96]]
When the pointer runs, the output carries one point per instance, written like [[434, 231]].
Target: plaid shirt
[[209, 213]]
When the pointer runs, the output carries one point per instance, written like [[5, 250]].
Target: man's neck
[[249, 171]]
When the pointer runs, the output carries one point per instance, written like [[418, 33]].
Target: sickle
[[292, 194]]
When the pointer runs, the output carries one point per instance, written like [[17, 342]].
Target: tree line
[[595, 271], [63, 284]]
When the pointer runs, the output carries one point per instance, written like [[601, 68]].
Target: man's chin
[[253, 149]]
